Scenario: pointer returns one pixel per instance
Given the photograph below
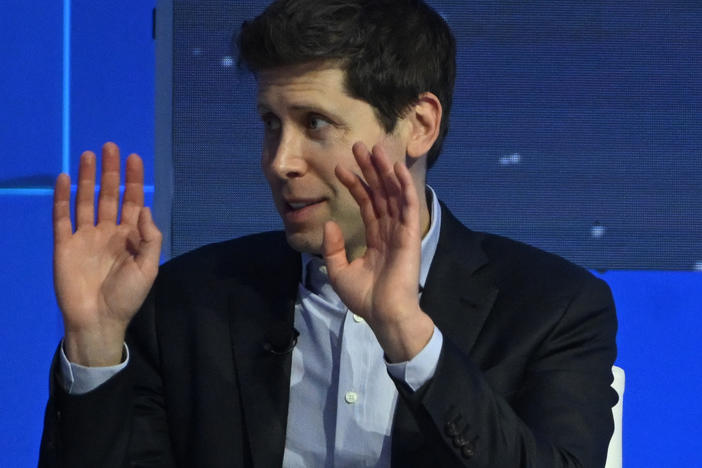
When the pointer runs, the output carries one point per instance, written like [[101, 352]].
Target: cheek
[[347, 210], [323, 158]]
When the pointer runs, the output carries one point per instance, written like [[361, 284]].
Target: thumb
[[333, 249], [149, 251]]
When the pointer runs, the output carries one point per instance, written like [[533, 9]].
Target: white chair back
[[614, 453]]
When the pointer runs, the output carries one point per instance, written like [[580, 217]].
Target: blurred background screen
[[575, 128]]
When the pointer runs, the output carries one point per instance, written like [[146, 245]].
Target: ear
[[424, 122]]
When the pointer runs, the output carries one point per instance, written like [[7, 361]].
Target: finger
[[149, 252], [360, 193], [62, 209], [410, 212], [333, 249], [133, 199], [108, 200], [370, 174], [85, 192], [391, 186]]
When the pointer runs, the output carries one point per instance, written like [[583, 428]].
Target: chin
[[305, 242]]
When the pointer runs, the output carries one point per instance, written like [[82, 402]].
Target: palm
[[96, 275], [103, 270]]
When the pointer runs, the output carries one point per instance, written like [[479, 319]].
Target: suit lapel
[[264, 378], [459, 291], [458, 295]]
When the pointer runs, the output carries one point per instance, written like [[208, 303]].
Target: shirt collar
[[431, 238], [429, 242]]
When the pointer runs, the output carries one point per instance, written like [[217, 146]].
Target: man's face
[[310, 127]]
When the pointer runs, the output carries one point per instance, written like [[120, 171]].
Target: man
[[420, 342]]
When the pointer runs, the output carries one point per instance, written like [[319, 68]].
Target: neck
[[419, 172], [424, 213]]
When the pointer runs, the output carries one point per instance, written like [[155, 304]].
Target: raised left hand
[[382, 285]]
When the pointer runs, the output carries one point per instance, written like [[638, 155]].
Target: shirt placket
[[362, 378]]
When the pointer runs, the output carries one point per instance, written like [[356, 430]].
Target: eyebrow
[[262, 108]]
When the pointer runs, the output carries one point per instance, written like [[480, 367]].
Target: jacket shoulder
[[248, 255], [508, 261]]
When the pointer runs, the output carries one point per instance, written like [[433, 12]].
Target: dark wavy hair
[[391, 50]]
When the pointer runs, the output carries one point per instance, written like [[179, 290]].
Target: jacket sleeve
[[547, 404], [119, 423]]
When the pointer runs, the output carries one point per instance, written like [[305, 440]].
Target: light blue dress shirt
[[342, 400]]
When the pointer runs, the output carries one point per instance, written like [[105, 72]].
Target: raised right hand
[[102, 271]]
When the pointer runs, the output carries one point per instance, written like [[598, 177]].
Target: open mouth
[[299, 205]]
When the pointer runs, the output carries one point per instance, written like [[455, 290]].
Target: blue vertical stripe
[[66, 111]]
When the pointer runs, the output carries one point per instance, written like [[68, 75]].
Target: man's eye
[[271, 123], [316, 122]]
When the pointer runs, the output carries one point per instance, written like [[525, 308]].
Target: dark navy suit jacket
[[523, 379]]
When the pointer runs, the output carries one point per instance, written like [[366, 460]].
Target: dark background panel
[[219, 191], [575, 128]]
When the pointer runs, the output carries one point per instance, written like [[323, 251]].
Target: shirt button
[[351, 397], [358, 318]]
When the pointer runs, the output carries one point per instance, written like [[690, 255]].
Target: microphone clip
[[280, 339]]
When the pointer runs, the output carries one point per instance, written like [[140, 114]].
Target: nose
[[285, 157]]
